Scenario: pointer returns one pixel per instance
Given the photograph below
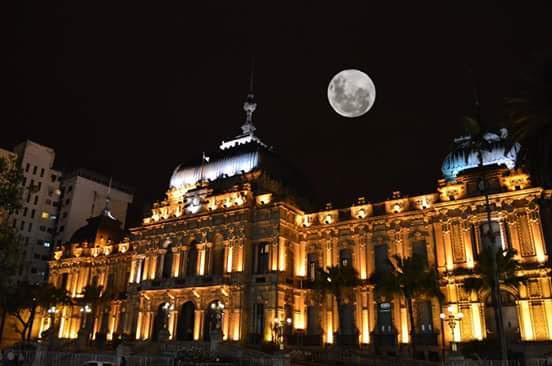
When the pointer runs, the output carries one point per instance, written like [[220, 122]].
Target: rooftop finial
[[249, 105]]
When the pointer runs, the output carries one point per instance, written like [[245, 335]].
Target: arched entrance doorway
[[213, 319], [160, 320], [185, 326], [509, 316]]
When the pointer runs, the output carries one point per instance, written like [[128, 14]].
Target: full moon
[[351, 93]]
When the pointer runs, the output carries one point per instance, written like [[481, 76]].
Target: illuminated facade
[[230, 231]]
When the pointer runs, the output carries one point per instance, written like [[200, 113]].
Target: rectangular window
[[22, 225], [420, 249], [48, 201], [34, 169], [27, 240], [33, 213], [25, 211], [64, 215], [24, 181], [424, 318], [36, 200], [41, 172], [262, 257], [385, 320], [45, 215], [382, 262], [61, 229], [30, 227], [28, 197], [313, 266], [27, 167], [39, 186], [42, 228], [32, 184], [67, 201], [258, 317]]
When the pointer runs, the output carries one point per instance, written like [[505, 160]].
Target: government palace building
[[236, 231]]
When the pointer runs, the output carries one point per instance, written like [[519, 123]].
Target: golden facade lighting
[[451, 191], [263, 199], [516, 180]]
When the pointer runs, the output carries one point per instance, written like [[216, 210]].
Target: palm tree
[[337, 281], [89, 302], [507, 267], [529, 115], [412, 279], [93, 299]]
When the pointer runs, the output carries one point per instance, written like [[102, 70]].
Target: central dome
[[466, 155]]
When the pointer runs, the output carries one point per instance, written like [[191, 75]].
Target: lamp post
[[452, 317], [85, 310], [83, 333], [218, 310]]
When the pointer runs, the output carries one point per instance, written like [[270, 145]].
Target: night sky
[[132, 89]]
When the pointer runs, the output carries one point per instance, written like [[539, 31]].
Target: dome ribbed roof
[[465, 154]]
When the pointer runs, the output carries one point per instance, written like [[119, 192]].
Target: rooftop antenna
[[107, 212]]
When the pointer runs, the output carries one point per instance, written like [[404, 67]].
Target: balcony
[[188, 281]]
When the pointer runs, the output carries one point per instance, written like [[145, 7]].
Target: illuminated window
[[45, 215]]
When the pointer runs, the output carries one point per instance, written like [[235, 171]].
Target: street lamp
[[218, 310], [278, 333], [452, 317], [85, 310]]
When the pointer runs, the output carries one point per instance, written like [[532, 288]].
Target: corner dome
[[465, 155]]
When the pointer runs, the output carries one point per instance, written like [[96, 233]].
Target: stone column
[[176, 265]]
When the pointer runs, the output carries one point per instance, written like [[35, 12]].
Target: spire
[[248, 129], [249, 105]]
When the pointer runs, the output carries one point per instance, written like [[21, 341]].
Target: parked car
[[99, 363]]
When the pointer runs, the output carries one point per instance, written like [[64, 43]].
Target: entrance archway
[[186, 322]]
